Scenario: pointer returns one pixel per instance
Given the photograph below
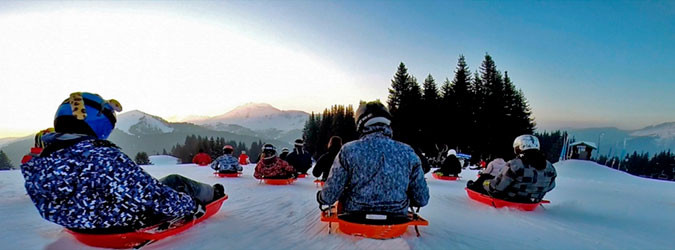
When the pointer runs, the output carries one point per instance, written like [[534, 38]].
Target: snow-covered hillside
[[136, 122], [662, 131], [257, 116], [592, 207]]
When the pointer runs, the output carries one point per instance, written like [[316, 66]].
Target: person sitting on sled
[[243, 158], [375, 174], [322, 167], [300, 159], [226, 163], [201, 158], [85, 183], [525, 179], [271, 167], [450, 166]]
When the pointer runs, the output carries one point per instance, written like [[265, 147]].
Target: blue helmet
[[87, 113]]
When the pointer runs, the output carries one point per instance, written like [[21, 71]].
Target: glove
[[318, 198], [201, 210]]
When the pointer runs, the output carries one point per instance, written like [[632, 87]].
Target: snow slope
[[593, 207]]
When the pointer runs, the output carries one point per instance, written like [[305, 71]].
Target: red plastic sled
[[371, 231], [226, 175], [302, 175], [502, 203], [278, 181], [319, 182], [445, 178], [145, 235]]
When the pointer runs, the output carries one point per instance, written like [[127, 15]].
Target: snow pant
[[199, 191]]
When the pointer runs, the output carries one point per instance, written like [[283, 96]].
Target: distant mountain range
[[614, 141], [137, 131]]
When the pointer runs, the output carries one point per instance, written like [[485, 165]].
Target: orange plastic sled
[[445, 178], [226, 175], [502, 203], [278, 181], [372, 231], [145, 235]]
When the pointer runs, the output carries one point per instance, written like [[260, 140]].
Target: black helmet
[[269, 150], [370, 113]]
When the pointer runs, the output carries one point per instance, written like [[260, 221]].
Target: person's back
[[271, 167], [375, 173], [227, 163], [300, 159], [528, 177], [243, 158], [451, 165], [201, 158], [494, 167], [325, 161]]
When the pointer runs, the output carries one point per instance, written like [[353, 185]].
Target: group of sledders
[[84, 183]]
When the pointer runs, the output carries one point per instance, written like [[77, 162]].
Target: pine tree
[[463, 118], [142, 159], [399, 85], [5, 163], [431, 103]]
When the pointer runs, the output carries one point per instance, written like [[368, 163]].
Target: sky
[[579, 63]]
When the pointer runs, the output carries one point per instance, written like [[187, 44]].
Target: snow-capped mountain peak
[[258, 116], [661, 131], [136, 122]]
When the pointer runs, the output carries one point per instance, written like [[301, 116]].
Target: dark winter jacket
[[84, 183], [376, 174], [226, 163], [526, 178], [283, 155], [450, 166], [300, 159], [323, 165], [273, 168]]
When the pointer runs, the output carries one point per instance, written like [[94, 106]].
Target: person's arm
[[489, 168], [215, 165], [258, 170], [136, 188], [335, 183], [418, 191], [504, 179], [319, 166]]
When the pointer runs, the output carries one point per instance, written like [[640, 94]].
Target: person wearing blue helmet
[[85, 183]]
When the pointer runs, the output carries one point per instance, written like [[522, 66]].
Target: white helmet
[[452, 152], [525, 142]]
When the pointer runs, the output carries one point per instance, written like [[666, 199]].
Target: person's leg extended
[[197, 190]]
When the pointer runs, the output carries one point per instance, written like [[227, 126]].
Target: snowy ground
[[593, 207]]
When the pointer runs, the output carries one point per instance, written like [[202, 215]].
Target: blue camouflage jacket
[[376, 174], [226, 163], [91, 184]]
